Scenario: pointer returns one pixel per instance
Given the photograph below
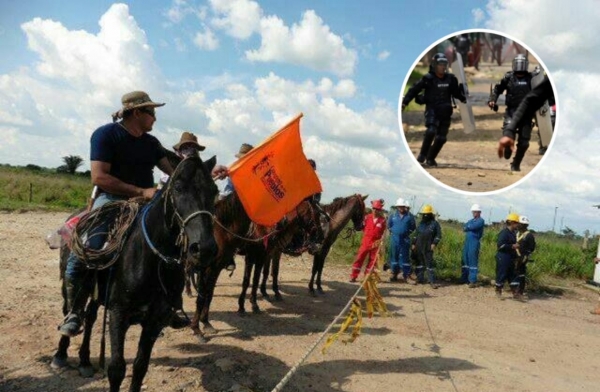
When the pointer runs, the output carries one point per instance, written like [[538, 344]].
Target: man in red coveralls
[[375, 225]]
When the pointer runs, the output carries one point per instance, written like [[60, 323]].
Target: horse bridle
[[182, 238]]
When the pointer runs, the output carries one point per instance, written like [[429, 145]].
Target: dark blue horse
[[145, 284]]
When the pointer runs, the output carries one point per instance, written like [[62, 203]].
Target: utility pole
[[554, 221]]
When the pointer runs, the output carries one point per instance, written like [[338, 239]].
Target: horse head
[[358, 212], [190, 196]]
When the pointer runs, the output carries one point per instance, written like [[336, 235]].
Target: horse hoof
[[321, 291], [241, 312], [312, 293], [209, 330], [255, 310], [59, 363], [201, 338], [86, 371], [278, 297]]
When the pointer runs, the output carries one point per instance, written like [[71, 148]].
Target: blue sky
[[232, 71]]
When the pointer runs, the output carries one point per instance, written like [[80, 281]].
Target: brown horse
[[233, 231], [341, 211]]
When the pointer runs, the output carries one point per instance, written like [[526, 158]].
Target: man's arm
[[103, 179], [165, 166], [413, 92], [532, 102]]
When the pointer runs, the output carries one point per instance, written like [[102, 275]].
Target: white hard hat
[[475, 207], [523, 220], [401, 203]]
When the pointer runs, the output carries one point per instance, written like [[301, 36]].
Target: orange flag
[[274, 177]]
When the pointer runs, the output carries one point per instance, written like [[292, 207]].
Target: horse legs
[[259, 263], [116, 368], [265, 277], [245, 284], [320, 265], [211, 282], [140, 366], [311, 284], [275, 272], [85, 366], [60, 358]]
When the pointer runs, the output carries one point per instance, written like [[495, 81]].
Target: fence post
[[30, 192]]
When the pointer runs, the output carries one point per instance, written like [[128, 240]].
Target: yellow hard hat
[[512, 217], [427, 209]]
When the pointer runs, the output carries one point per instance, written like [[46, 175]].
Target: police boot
[[433, 153], [77, 296], [519, 155], [425, 147]]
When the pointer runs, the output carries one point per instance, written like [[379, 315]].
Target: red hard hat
[[377, 204]]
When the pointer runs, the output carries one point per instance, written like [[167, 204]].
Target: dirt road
[[450, 339], [469, 162]]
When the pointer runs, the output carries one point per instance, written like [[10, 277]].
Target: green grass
[[556, 256], [50, 190]]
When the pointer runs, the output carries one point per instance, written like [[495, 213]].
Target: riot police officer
[[439, 88], [517, 84]]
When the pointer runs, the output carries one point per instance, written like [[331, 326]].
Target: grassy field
[[556, 256], [49, 190]]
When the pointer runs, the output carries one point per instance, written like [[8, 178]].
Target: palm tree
[[72, 162]]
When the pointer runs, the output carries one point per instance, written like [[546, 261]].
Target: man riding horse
[[122, 158]]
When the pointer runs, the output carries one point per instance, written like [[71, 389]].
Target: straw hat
[[244, 149], [135, 100], [188, 138]]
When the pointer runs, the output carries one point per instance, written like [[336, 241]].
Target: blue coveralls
[[505, 258], [400, 227], [470, 258], [428, 232]]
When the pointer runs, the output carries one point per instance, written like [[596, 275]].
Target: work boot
[[472, 285], [394, 278], [421, 158], [76, 300], [178, 322], [431, 163]]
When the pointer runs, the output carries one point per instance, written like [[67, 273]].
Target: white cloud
[[239, 18], [206, 40], [76, 83], [180, 9], [478, 16], [564, 37], [309, 43], [554, 29], [383, 55]]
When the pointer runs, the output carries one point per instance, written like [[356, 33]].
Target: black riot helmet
[[520, 63], [439, 59]]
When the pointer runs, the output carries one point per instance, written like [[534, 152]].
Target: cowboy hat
[[188, 138], [244, 149], [134, 100]]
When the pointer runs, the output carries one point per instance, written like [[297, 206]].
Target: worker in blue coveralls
[[470, 258], [401, 223], [506, 255]]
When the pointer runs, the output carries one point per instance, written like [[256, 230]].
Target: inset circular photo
[[477, 111]]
